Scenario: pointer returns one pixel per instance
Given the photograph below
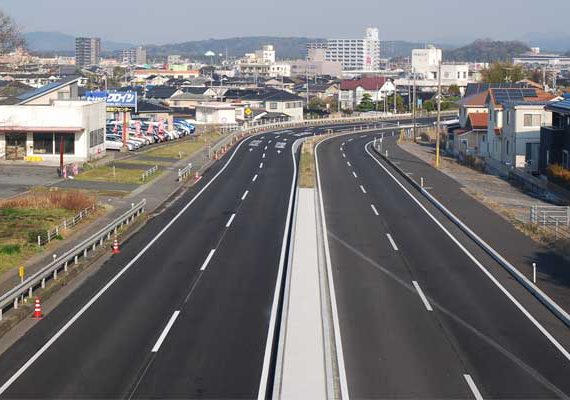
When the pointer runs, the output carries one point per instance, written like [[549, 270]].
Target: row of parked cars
[[145, 132]]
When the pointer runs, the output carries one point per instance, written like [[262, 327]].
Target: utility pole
[[395, 103], [438, 115], [414, 102]]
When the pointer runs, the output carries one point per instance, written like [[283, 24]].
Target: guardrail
[[552, 219], [149, 172], [66, 224], [11, 298], [184, 172], [523, 280]]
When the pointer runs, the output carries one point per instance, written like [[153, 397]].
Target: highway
[[189, 306], [422, 311]]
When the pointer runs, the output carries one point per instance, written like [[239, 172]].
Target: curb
[[515, 273]]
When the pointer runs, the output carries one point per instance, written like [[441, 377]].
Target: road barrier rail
[[149, 172], [67, 223], [184, 172], [554, 307], [14, 296]]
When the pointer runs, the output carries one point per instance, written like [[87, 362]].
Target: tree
[[316, 104], [366, 103], [10, 37], [500, 72], [454, 90]]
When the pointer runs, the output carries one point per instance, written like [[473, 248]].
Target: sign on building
[[116, 101]]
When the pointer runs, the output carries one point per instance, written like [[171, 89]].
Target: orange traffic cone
[[37, 310], [197, 176], [115, 249]]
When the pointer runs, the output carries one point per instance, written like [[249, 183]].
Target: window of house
[[43, 143], [273, 105], [532, 120], [96, 137], [68, 142]]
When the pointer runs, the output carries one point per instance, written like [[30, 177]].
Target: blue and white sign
[[116, 101]]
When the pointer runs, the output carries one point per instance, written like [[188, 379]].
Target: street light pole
[[438, 115]]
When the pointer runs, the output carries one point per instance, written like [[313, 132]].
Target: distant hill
[[286, 47], [485, 50], [47, 42]]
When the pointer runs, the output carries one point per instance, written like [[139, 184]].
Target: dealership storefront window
[[49, 142]]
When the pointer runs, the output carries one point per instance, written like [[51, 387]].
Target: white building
[[353, 54], [215, 113], [262, 63], [352, 90], [136, 56], [425, 65], [535, 58], [36, 132]]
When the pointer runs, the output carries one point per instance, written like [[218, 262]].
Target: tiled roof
[[478, 99], [479, 120], [161, 92], [373, 83], [562, 106]]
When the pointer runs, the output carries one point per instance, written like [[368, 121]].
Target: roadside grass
[[119, 175], [307, 169], [25, 217], [185, 148], [146, 163]]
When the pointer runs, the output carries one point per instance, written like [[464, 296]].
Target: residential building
[[535, 59], [87, 51], [361, 55], [426, 64], [515, 119], [268, 99], [215, 113], [555, 138], [135, 56], [262, 63], [316, 64], [352, 90]]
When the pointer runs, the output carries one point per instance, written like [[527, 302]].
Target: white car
[[114, 143]]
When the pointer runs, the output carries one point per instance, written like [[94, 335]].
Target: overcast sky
[[166, 21]]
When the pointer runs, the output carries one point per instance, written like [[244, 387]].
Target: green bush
[[559, 175], [33, 235], [10, 249]]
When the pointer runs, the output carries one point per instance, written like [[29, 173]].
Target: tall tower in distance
[[87, 51]]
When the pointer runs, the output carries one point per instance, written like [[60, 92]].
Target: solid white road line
[[205, 265], [228, 224], [354, 173], [475, 261], [422, 296], [362, 188], [254, 178], [473, 387], [348, 163], [334, 309], [263, 381], [100, 293], [244, 195], [374, 209], [392, 242], [261, 165], [165, 331]]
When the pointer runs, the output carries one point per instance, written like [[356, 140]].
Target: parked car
[[113, 142]]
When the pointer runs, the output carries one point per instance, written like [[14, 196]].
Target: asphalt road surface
[[185, 310], [423, 312]]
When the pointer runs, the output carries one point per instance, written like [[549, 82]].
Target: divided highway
[[422, 311], [186, 308]]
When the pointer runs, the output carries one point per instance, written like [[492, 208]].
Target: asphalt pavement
[[424, 313], [184, 311]]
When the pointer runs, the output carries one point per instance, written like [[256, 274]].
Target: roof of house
[[478, 120], [562, 106], [51, 87], [371, 83], [161, 92], [475, 100], [518, 96], [195, 89], [476, 88], [146, 106], [265, 94], [190, 96]]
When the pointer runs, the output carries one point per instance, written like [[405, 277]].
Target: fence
[[184, 172], [552, 219], [50, 271], [52, 234], [149, 172]]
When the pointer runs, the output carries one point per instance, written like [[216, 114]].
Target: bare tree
[[10, 36]]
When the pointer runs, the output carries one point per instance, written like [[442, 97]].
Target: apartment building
[[361, 55], [425, 64], [135, 56], [87, 51]]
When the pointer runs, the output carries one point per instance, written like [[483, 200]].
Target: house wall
[[292, 108], [494, 142]]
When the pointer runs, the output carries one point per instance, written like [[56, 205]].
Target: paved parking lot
[[15, 179]]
